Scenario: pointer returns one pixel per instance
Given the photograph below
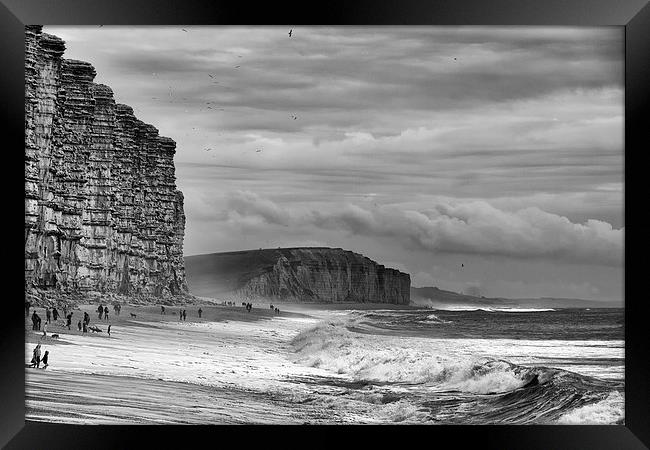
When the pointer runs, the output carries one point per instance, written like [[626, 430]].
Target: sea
[[475, 366]]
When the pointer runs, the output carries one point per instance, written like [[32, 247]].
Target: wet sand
[[105, 399]]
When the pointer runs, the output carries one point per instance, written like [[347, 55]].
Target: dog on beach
[[95, 329], [55, 336], [133, 315]]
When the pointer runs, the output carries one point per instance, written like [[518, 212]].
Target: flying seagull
[[237, 67], [210, 76], [184, 30], [290, 31], [257, 151]]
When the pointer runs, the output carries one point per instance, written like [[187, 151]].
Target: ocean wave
[[429, 381], [469, 308], [607, 411], [432, 318], [331, 346]]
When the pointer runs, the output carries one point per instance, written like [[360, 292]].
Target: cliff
[[296, 274], [102, 212]]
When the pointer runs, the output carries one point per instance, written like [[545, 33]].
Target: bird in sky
[[184, 30], [290, 31], [257, 151], [237, 67], [210, 76], [462, 265]]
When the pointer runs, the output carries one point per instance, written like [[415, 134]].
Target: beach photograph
[[327, 225]]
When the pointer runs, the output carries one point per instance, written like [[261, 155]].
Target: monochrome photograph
[[324, 225]]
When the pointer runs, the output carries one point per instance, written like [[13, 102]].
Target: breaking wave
[[607, 411], [484, 390]]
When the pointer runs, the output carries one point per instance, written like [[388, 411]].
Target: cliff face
[[102, 212], [297, 274]]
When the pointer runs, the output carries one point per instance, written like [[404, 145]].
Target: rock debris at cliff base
[[102, 212]]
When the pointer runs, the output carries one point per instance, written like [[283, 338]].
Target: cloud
[[522, 126], [455, 227]]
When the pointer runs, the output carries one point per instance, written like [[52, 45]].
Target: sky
[[485, 160]]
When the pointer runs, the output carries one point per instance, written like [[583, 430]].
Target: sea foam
[[333, 347]]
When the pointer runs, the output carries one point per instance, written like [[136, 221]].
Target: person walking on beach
[[48, 315], [38, 322], [106, 313], [45, 359], [79, 325], [34, 316], [86, 318], [68, 320], [180, 315], [36, 358], [55, 314], [184, 315], [162, 310], [200, 311], [85, 327], [100, 311], [109, 330], [28, 305]]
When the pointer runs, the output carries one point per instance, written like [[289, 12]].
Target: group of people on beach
[[182, 314], [82, 325], [275, 310], [103, 311], [37, 360], [53, 314]]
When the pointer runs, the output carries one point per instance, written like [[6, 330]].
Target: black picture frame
[[634, 15]]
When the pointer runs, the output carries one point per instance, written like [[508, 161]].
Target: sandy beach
[[230, 366]]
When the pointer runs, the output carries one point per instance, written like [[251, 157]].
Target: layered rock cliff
[[297, 274], [102, 212]]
